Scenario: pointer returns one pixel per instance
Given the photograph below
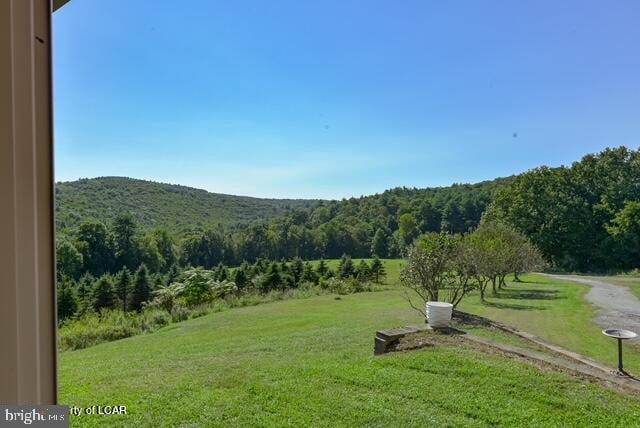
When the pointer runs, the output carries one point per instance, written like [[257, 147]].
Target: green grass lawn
[[554, 310], [309, 362]]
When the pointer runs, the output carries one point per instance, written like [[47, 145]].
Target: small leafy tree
[[165, 297], [221, 289], [433, 271], [196, 286]]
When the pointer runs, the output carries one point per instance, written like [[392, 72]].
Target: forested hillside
[[159, 205], [584, 217], [111, 223]]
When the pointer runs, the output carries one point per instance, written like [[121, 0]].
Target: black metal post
[[620, 355]]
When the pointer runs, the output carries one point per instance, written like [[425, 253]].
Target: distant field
[[309, 362], [392, 267]]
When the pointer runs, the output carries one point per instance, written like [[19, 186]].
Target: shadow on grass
[[518, 307], [528, 294], [522, 281]]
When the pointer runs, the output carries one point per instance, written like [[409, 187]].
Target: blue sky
[[333, 99]]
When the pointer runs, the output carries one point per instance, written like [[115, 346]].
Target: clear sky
[[342, 98]]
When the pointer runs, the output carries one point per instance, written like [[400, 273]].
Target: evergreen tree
[[362, 271], [322, 269], [103, 294], [346, 268], [222, 273], [67, 301], [240, 277], [377, 270], [296, 269], [272, 278], [85, 293], [173, 274], [123, 288], [308, 274], [141, 288]]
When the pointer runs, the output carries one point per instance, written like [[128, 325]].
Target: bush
[[179, 312]]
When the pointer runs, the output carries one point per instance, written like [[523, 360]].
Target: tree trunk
[[516, 278], [493, 285]]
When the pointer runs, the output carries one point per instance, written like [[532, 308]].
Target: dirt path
[[617, 306]]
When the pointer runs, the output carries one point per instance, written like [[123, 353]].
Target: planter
[[439, 314]]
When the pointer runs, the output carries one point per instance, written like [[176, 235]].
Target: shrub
[[109, 325], [179, 312]]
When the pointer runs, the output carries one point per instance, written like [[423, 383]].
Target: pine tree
[[222, 273], [272, 278], [103, 294], [141, 288], [322, 269], [240, 277], [346, 268], [123, 288], [67, 301], [377, 270], [362, 272], [296, 269], [308, 274], [84, 295]]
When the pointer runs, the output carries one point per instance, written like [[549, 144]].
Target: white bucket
[[439, 314]]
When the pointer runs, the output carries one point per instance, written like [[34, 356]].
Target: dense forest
[[582, 217]]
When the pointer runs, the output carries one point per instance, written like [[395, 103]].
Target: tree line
[[381, 225], [584, 217], [134, 291]]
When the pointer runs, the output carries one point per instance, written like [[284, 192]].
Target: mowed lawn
[[557, 311], [309, 362]]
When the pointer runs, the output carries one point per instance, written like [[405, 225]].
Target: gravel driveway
[[617, 306]]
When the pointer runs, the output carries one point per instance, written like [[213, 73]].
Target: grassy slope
[[174, 207], [302, 362]]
